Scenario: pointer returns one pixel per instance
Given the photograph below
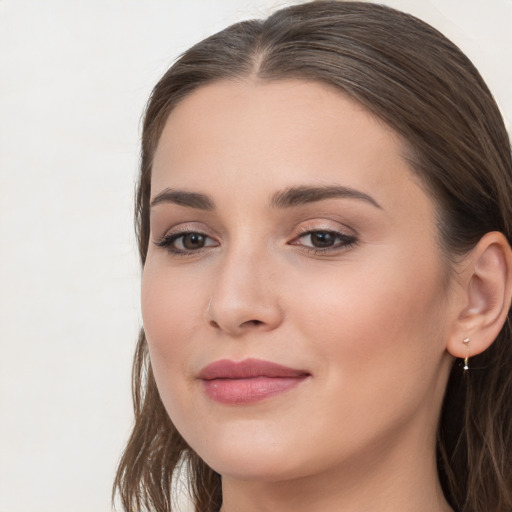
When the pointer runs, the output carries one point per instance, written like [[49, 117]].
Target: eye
[[319, 240], [186, 242]]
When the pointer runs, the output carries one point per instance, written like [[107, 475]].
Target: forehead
[[270, 135], [286, 111]]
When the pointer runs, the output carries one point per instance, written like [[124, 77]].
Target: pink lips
[[250, 380]]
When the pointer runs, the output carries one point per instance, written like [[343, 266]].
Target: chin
[[261, 467], [251, 456]]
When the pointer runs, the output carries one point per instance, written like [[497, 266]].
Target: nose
[[245, 298]]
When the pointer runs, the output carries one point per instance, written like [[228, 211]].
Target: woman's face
[[287, 228]]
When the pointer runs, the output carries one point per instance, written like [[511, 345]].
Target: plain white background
[[74, 77]]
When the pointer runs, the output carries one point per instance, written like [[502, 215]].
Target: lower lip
[[246, 391]]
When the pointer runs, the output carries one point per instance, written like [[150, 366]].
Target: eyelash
[[344, 242], [167, 242]]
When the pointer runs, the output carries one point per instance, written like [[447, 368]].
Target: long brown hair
[[426, 89]]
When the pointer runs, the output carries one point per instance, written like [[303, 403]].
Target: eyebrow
[[296, 196], [184, 198], [288, 198]]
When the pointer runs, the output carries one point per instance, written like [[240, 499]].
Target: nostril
[[248, 323], [254, 322]]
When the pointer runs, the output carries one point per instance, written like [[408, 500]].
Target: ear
[[486, 280]]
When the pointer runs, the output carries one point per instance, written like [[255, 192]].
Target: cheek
[[377, 339], [379, 325], [171, 314]]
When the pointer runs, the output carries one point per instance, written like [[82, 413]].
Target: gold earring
[[466, 359]]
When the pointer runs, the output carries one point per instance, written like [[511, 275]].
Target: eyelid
[[186, 227], [346, 237], [167, 242], [174, 233], [343, 238], [321, 224]]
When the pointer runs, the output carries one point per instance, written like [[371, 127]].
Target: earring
[[466, 359]]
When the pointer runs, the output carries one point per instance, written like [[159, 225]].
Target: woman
[[324, 219]]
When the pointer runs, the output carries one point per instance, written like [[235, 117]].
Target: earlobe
[[487, 286]]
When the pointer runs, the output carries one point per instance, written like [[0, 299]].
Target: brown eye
[[322, 239], [325, 240], [192, 241], [189, 242]]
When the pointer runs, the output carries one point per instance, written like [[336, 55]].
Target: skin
[[368, 319]]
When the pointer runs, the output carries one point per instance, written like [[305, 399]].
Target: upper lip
[[247, 369]]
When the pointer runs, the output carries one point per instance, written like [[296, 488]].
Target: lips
[[247, 381]]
